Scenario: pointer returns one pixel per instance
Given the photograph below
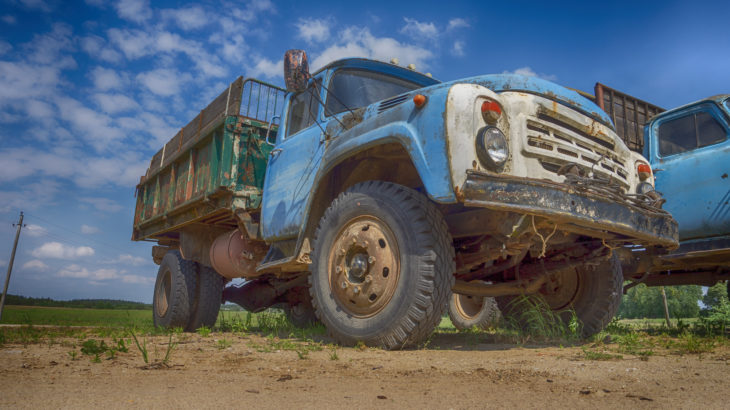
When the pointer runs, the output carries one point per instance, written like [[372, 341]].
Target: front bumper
[[567, 205]]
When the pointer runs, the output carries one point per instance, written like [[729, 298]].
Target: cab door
[[293, 165], [691, 156]]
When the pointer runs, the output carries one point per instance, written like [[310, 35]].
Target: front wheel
[[382, 266], [593, 293]]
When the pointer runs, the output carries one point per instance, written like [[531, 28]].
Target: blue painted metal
[[695, 183], [300, 161]]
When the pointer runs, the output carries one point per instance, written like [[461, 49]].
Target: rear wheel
[[382, 266], [208, 296], [301, 314], [467, 312], [174, 291], [594, 293]]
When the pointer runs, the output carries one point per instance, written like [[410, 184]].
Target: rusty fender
[[565, 205]]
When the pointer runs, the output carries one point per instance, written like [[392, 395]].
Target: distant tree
[[646, 302], [715, 295]]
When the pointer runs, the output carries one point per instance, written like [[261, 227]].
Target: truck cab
[[688, 148]]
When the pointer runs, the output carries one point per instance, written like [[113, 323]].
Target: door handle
[[274, 152], [655, 170]]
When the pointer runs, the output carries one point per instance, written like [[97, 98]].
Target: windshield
[[359, 88]]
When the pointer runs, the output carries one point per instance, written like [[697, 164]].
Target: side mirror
[[296, 70]]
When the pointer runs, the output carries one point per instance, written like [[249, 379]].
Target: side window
[[303, 109], [690, 132]]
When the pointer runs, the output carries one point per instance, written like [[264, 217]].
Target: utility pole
[[10, 264], [666, 309]]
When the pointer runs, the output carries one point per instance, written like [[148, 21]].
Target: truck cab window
[[690, 132], [359, 88], [303, 109]]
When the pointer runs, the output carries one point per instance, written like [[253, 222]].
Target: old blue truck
[[381, 190], [688, 151]]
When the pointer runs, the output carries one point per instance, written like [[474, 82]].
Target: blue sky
[[89, 90]]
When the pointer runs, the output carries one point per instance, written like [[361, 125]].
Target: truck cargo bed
[[212, 167]]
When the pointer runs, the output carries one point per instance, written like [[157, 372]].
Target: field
[[116, 358]]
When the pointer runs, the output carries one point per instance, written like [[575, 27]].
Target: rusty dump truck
[[383, 192]]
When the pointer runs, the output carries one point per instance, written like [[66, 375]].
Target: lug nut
[[338, 269], [371, 260], [365, 244], [344, 285], [368, 279], [342, 251], [356, 290]]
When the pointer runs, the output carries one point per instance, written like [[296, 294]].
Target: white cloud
[[36, 5], [359, 42], [133, 43], [35, 265], [120, 168], [128, 259], [75, 271], [115, 103], [89, 230], [8, 19], [58, 250], [457, 23], [164, 81], [106, 78], [5, 47], [51, 49], [103, 204], [529, 72], [188, 18], [29, 196], [35, 230], [97, 47], [19, 80], [419, 30], [137, 11], [267, 68], [97, 128], [313, 30], [458, 49]]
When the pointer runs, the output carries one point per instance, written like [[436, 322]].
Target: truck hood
[[500, 83]]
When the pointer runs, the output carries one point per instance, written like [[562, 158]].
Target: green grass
[[31, 315]]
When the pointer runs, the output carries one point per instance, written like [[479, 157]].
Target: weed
[[689, 343], [111, 354], [93, 347], [142, 347], [73, 354], [601, 356], [224, 344], [532, 319], [96, 359], [170, 347], [333, 354], [204, 331], [360, 345]]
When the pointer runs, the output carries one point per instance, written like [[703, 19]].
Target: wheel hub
[[364, 266], [561, 289]]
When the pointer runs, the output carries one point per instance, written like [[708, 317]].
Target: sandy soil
[[454, 372]]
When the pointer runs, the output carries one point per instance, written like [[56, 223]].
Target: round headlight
[[644, 187], [492, 148]]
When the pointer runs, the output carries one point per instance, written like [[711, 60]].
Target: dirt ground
[[454, 372]]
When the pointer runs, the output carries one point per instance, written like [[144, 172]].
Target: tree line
[[76, 303], [646, 302]]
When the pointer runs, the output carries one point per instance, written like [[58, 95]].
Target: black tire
[[174, 291], [407, 285], [467, 312], [302, 314], [208, 298], [595, 300]]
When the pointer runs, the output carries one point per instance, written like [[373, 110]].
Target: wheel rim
[[364, 266], [162, 295], [561, 289], [468, 306]]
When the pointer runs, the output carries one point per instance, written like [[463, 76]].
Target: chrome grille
[[557, 143]]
